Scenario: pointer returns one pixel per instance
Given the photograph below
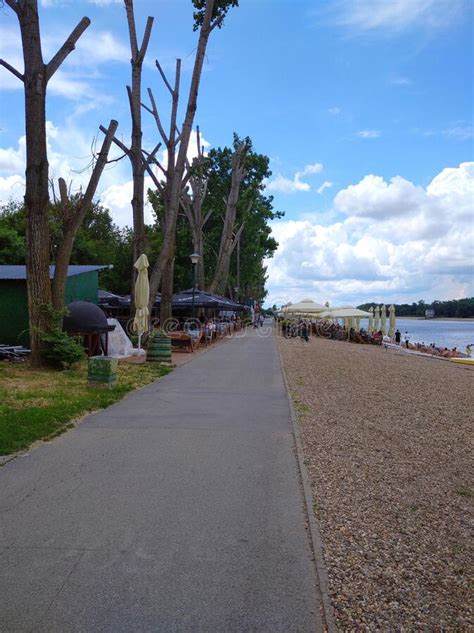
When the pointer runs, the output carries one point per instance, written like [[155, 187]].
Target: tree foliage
[[455, 308], [218, 14]]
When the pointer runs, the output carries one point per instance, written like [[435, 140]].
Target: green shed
[[82, 284]]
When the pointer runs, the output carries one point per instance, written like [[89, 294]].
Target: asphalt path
[[177, 509]]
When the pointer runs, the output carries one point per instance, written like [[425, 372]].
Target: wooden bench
[[184, 342]]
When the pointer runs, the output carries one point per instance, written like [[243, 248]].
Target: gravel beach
[[388, 447]]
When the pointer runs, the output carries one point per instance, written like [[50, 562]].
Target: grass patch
[[36, 405], [301, 407], [464, 491]]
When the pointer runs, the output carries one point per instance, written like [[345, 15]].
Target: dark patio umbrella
[[202, 299]]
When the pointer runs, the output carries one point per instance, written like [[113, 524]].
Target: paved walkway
[[177, 509]]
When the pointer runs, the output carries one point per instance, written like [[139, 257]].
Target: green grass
[[37, 405]]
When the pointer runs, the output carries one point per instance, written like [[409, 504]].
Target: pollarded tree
[[134, 150], [192, 200], [35, 78], [72, 216], [230, 232], [208, 15], [251, 236]]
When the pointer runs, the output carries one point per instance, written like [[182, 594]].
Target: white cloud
[[70, 157], [368, 134], [287, 185], [398, 242], [315, 168], [400, 81], [460, 133], [74, 80], [327, 184], [334, 111], [395, 16]]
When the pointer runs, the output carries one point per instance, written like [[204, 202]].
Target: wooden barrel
[[159, 349]]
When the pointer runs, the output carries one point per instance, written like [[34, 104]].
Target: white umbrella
[[391, 331], [370, 327], [383, 319], [377, 319], [142, 296]]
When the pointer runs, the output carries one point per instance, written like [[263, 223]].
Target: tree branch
[[156, 116], [100, 163], [115, 140], [163, 76], [14, 71], [13, 5], [68, 46], [131, 28], [63, 192], [152, 160], [153, 176], [146, 38]]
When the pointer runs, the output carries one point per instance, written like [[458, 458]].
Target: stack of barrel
[[159, 348]]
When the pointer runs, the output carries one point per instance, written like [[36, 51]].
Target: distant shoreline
[[418, 318]]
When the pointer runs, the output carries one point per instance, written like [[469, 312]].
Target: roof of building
[[19, 272]]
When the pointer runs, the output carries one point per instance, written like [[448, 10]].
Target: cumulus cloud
[[288, 185], [368, 134], [397, 242]]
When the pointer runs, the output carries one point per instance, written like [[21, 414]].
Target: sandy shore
[[388, 447]]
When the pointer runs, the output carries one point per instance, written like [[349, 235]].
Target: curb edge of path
[[314, 531]]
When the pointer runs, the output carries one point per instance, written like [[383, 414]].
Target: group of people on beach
[[431, 348], [303, 328]]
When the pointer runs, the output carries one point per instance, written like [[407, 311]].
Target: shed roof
[[19, 272]]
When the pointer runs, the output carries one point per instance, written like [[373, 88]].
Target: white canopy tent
[[307, 307], [346, 313]]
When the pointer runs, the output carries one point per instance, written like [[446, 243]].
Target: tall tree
[[208, 15], [253, 212], [192, 204], [230, 233], [35, 79], [134, 151]]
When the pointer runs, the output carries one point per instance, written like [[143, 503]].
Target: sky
[[365, 108]]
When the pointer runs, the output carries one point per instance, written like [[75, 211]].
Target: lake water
[[449, 333]]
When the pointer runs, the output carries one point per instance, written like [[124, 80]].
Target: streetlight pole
[[195, 257]]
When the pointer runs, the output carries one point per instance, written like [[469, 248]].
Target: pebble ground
[[388, 446]]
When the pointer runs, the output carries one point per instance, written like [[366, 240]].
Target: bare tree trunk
[[135, 152], [167, 292], [35, 80], [72, 219], [228, 240], [198, 241], [174, 180], [192, 206]]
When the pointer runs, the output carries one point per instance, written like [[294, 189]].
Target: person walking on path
[[398, 337], [304, 331]]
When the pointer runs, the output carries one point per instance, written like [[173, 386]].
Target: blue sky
[[364, 107]]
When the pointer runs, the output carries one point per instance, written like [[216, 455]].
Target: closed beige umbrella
[[142, 296], [383, 319], [370, 327], [377, 319], [391, 330]]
